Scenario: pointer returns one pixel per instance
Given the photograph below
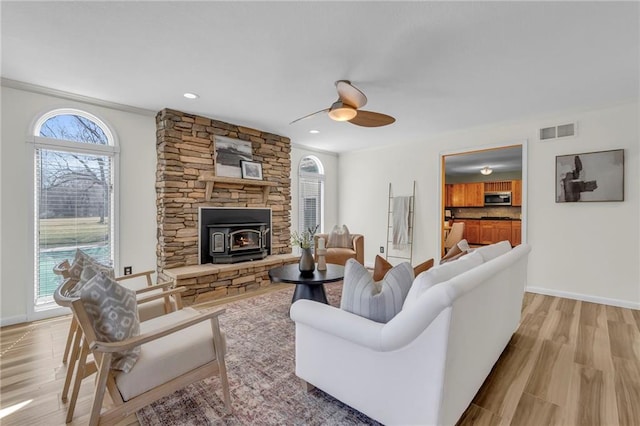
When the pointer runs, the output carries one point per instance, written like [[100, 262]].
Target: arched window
[[74, 162], [311, 194]]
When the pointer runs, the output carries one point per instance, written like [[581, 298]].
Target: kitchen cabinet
[[457, 195], [516, 233], [493, 231], [464, 195], [471, 231], [516, 193], [474, 194]]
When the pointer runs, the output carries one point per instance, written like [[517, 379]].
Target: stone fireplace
[[186, 184]]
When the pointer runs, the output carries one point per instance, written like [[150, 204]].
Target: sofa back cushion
[[492, 251], [378, 301], [440, 273]]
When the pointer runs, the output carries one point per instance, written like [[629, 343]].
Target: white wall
[[588, 251], [136, 135], [330, 163]]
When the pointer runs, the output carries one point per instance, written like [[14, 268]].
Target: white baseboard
[[12, 320], [585, 297], [37, 316]]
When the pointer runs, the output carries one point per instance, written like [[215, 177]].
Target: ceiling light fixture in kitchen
[[486, 170]]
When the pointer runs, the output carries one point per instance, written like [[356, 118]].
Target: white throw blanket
[[400, 214]]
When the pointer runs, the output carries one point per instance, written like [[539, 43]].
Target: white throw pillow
[[494, 250], [378, 301], [439, 274], [113, 311]]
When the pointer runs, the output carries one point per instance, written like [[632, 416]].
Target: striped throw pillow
[[378, 301]]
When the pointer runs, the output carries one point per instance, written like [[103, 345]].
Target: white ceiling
[[434, 66]]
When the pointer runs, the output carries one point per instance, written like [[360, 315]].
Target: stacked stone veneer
[[186, 149]]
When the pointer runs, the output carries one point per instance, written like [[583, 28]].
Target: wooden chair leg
[[73, 360], [217, 341], [80, 374], [72, 331], [104, 364]]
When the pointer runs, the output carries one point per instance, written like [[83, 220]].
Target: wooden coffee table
[[307, 287]]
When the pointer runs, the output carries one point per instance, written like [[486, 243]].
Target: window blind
[[310, 203], [74, 204]]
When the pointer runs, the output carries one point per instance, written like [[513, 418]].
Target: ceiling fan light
[[486, 170], [343, 113]]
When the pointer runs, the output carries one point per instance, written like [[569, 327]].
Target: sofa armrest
[[337, 322]]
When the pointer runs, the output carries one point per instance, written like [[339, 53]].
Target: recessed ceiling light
[[314, 131], [190, 95]]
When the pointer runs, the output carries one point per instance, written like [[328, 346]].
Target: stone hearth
[[186, 162]]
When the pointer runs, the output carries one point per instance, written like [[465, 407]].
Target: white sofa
[[427, 363]]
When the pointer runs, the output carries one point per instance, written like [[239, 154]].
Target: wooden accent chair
[[177, 349], [153, 300]]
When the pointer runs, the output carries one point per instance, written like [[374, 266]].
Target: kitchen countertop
[[487, 218]]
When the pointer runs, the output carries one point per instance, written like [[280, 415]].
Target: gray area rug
[[261, 370]]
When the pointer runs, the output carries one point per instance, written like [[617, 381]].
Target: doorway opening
[[483, 196]]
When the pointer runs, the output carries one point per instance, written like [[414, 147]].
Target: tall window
[[310, 202], [74, 159]]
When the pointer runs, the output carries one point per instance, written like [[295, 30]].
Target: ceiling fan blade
[[310, 115], [350, 94], [371, 119]]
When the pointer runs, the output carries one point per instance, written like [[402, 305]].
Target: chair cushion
[[339, 256], [340, 237], [168, 357], [112, 310], [378, 301], [153, 308], [438, 274]]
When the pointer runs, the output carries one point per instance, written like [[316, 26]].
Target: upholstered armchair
[[340, 255]]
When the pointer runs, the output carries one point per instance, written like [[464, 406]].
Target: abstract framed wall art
[[229, 153], [591, 176]]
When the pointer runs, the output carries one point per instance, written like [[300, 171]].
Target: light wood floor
[[569, 363]]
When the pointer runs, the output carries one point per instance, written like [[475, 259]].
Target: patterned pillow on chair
[[113, 311]]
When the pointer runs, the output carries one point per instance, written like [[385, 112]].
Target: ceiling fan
[[350, 98]]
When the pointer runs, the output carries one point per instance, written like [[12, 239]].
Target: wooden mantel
[[210, 179]]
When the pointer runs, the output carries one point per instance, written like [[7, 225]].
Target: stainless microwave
[[497, 198]]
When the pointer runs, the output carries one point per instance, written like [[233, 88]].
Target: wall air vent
[[560, 131]]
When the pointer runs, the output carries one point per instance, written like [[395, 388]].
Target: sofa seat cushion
[[169, 357], [378, 301], [440, 273]]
